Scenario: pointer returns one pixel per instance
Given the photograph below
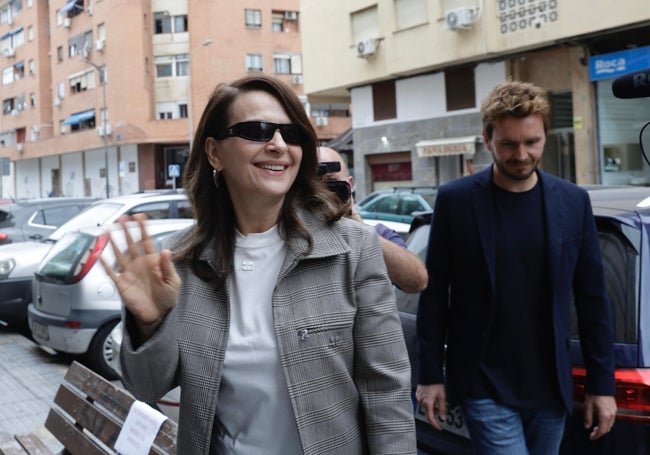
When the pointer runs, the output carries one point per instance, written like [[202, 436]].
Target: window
[[409, 13], [459, 88], [7, 106], [101, 31], [32, 99], [80, 82], [330, 110], [180, 24], [253, 18], [254, 62], [32, 66], [9, 10], [8, 75], [153, 210], [80, 44], [73, 8], [164, 66], [165, 115], [59, 54], [620, 247], [182, 110], [30, 33], [384, 101], [162, 23], [172, 65], [365, 23], [55, 216], [60, 90], [82, 121], [276, 22], [182, 65], [282, 64], [20, 102], [287, 63], [19, 70]]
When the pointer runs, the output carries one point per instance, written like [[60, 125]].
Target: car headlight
[[6, 266]]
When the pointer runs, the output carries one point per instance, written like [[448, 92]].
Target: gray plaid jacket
[[348, 380]]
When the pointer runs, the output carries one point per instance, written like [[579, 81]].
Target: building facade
[[417, 70], [101, 97]]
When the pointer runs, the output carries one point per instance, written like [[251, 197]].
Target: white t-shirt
[[254, 410]]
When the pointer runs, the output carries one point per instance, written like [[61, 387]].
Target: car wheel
[[100, 352]]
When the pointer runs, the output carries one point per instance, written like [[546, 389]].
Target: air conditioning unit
[[67, 22], [100, 130], [57, 101], [20, 147], [459, 18], [321, 121], [366, 47], [296, 79], [291, 15], [9, 52], [99, 44]]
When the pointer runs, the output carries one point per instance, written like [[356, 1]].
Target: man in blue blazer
[[508, 247]]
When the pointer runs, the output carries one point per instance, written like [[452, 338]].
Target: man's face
[[517, 145]]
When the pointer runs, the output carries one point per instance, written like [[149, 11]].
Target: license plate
[[40, 331], [454, 423]]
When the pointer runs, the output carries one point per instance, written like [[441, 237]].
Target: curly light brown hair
[[514, 99]]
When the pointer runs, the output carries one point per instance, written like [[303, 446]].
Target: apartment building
[[415, 72], [101, 97]]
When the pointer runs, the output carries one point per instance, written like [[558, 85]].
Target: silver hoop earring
[[215, 178]]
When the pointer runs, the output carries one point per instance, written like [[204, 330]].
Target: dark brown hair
[[514, 99], [213, 206]]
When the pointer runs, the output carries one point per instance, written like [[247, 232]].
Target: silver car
[[75, 303]]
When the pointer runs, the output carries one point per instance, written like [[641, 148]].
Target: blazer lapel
[[555, 213], [482, 200]]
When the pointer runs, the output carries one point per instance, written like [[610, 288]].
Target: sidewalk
[[29, 378]]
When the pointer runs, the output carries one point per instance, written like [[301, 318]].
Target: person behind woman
[[274, 314]]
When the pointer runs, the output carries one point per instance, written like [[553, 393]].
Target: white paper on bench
[[139, 430]]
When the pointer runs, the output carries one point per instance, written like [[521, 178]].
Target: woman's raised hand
[[145, 278]]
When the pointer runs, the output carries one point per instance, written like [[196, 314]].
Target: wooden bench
[[86, 418]]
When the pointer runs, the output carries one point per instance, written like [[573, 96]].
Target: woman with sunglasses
[[274, 315]]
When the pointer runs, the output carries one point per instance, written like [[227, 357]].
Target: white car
[[19, 261], [76, 304]]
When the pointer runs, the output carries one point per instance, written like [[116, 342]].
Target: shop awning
[[68, 6], [79, 117], [342, 141], [448, 146]]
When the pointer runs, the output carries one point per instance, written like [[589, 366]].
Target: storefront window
[[620, 122]]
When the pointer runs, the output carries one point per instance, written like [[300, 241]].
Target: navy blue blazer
[[456, 305]]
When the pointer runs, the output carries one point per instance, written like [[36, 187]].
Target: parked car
[[396, 207], [19, 261], [170, 403], [76, 304], [622, 216], [36, 219]]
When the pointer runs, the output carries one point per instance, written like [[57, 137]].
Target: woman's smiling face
[[257, 173]]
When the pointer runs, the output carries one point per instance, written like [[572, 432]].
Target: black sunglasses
[[263, 132]]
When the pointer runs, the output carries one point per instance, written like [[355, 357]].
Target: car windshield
[[95, 215]]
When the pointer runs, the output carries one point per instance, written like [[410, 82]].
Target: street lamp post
[[205, 43], [102, 79]]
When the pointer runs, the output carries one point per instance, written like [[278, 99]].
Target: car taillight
[[632, 392], [90, 257], [3, 236]]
